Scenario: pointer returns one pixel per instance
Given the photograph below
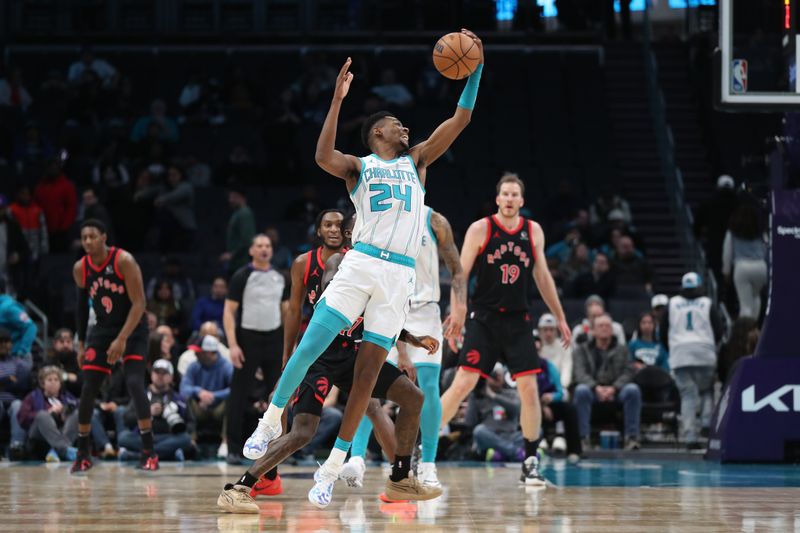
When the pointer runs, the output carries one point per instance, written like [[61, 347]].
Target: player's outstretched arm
[[291, 323], [82, 310], [331, 160], [458, 288], [546, 285], [442, 137]]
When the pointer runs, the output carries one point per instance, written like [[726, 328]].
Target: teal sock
[[341, 444], [431, 415], [361, 438], [323, 328]]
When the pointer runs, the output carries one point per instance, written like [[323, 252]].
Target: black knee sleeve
[[92, 381], [134, 380]]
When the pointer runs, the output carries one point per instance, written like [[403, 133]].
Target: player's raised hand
[[475, 38], [566, 333], [343, 81]]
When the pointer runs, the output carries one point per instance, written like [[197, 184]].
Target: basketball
[[456, 56]]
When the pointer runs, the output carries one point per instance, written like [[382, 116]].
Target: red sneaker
[[267, 487], [385, 499], [148, 462], [82, 464]]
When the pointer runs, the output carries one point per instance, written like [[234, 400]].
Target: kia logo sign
[[773, 399]]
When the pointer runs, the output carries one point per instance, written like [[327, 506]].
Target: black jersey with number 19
[[504, 267]]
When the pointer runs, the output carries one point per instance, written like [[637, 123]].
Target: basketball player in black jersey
[[110, 278], [335, 367], [307, 272], [506, 250]]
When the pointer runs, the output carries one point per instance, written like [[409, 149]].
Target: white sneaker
[[427, 475], [321, 493], [353, 472], [559, 444], [222, 451], [257, 443]]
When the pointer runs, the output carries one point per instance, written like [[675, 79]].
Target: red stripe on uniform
[[105, 262], [116, 269], [319, 398], [533, 244], [526, 373], [133, 358], [474, 370], [308, 267], [97, 368], [319, 258], [488, 235], [513, 231]]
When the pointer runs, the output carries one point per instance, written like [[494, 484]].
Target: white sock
[[335, 460], [273, 414]]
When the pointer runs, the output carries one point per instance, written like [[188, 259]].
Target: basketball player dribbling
[[506, 250], [111, 279], [377, 277]]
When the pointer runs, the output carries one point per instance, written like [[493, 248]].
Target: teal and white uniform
[[377, 277], [424, 316]]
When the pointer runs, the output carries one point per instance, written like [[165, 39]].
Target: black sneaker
[[530, 473], [83, 462]]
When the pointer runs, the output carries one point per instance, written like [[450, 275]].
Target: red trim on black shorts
[[132, 357], [526, 373], [512, 232], [97, 368], [474, 370], [488, 235], [308, 267], [319, 398]]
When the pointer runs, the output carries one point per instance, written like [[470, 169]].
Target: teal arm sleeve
[[470, 93]]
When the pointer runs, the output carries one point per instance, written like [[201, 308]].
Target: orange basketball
[[456, 56]]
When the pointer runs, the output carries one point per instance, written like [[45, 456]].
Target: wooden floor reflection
[[183, 498]]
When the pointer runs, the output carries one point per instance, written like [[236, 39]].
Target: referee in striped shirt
[[253, 316]]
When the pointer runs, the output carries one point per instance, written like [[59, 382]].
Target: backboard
[[758, 53]]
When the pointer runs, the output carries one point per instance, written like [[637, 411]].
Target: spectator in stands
[[49, 414], [646, 349], [630, 270], [711, 220], [13, 93], [167, 308], [282, 258], [562, 250], [169, 347], [391, 91], [31, 152], [110, 174], [601, 280], [206, 385], [241, 230], [553, 350], [166, 127], [30, 218], [56, 194], [88, 61], [239, 168], [555, 408], [180, 283], [607, 202], [690, 330], [15, 319], [658, 306], [577, 264], [602, 374], [92, 208], [175, 210], [13, 247], [594, 306], [742, 343], [189, 356], [209, 308], [744, 252], [172, 421], [494, 413], [65, 357], [14, 379]]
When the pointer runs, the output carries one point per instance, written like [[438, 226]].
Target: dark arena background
[[657, 146]]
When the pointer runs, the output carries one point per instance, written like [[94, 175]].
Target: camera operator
[[172, 421]]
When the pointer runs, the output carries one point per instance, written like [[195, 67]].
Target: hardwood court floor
[[603, 496]]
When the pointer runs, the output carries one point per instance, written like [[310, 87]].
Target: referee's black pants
[[261, 349]]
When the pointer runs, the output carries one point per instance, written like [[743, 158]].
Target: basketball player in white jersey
[[690, 330], [376, 278], [422, 317]]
